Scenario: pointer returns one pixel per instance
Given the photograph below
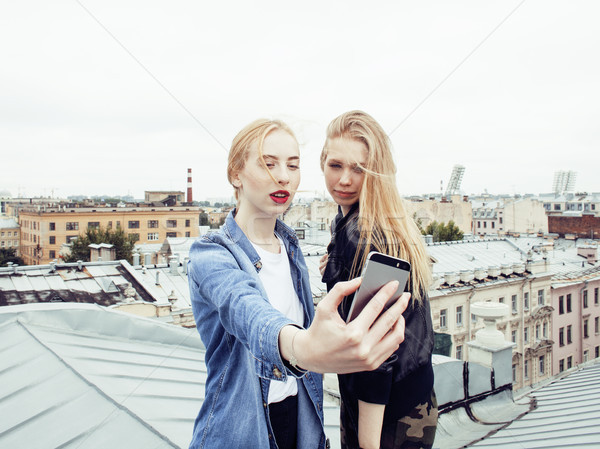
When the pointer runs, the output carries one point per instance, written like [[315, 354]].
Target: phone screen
[[379, 269]]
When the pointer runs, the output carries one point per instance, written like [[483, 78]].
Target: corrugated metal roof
[[567, 415], [82, 376]]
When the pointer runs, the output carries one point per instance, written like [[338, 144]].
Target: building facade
[[45, 230], [9, 235]]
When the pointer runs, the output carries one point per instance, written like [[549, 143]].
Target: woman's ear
[[237, 182]]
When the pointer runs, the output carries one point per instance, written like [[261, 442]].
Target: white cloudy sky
[[117, 97]]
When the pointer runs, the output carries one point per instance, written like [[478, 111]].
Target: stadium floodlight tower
[[453, 186], [564, 181]]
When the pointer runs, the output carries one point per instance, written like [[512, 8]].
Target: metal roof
[[567, 415], [84, 376]]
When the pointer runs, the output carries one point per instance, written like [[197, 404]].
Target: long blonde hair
[[382, 221], [255, 132]]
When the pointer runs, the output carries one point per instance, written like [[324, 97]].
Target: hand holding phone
[[379, 269]]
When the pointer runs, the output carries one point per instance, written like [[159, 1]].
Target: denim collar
[[237, 236]]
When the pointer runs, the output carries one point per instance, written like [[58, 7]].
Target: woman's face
[[257, 191], [343, 175]]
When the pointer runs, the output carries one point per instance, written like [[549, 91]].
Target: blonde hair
[[255, 132], [382, 221]]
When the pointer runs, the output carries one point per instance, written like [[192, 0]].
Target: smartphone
[[379, 269]]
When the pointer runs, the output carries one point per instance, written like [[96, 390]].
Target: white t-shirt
[[276, 278]]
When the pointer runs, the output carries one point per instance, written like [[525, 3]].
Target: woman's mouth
[[343, 194], [280, 197]]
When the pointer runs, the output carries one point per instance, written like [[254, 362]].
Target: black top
[[406, 378]]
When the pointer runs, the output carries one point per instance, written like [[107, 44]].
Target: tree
[[203, 219], [122, 243], [10, 255], [443, 232]]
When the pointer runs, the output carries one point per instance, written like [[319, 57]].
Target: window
[[52, 254], [72, 226], [153, 223], [443, 314], [526, 369], [514, 303], [187, 223], [300, 234], [500, 219], [585, 299], [514, 373], [585, 329], [133, 224], [118, 224], [171, 234], [556, 206], [569, 336], [596, 325], [561, 365], [569, 303], [545, 330], [459, 315], [561, 305], [597, 351], [542, 364], [93, 224], [493, 225], [52, 240], [459, 349], [561, 336], [526, 335], [513, 336], [586, 355], [485, 224], [595, 294], [541, 297], [501, 300], [152, 236], [526, 301], [52, 227], [537, 331], [570, 362], [187, 234], [109, 226], [70, 238], [171, 223]]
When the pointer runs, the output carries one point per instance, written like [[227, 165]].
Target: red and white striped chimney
[[189, 186]]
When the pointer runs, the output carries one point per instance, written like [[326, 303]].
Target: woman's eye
[[293, 167], [335, 166], [357, 169]]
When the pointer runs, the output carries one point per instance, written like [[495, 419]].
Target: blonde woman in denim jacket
[[251, 299]]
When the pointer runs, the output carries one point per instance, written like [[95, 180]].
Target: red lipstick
[[280, 197]]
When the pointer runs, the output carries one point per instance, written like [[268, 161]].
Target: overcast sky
[[117, 97]]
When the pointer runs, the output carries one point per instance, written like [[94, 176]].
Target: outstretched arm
[[331, 345]]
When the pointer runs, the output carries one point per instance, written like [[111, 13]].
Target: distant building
[[426, 210], [503, 216], [45, 229], [9, 234], [166, 198]]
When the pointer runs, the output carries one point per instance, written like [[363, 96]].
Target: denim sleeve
[[219, 283]]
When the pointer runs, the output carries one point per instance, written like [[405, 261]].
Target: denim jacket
[[240, 330]]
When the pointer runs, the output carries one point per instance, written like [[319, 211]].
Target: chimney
[[189, 186]]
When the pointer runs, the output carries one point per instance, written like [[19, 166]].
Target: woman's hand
[[323, 263], [331, 345]]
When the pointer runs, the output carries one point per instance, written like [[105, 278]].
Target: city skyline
[[107, 98]]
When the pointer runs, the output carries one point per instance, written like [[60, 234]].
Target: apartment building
[[576, 317], [9, 235], [45, 229], [508, 216]]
